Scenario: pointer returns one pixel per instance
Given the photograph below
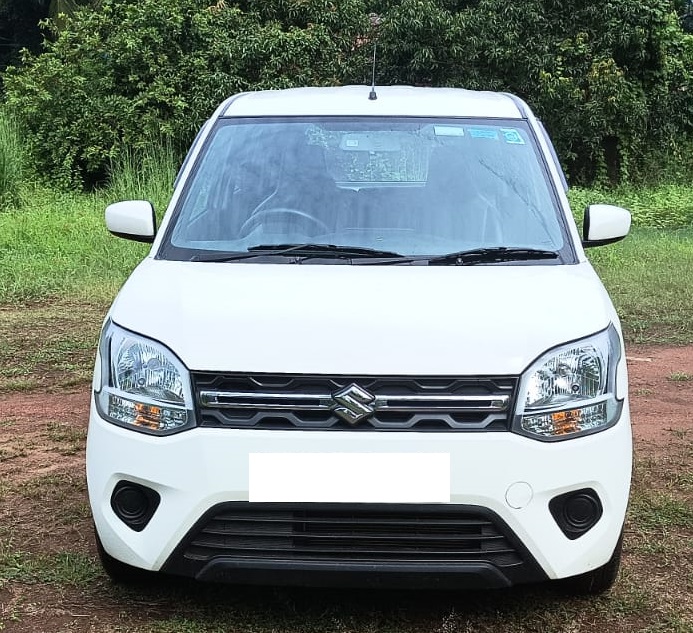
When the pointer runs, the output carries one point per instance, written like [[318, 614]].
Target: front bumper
[[201, 472], [370, 544]]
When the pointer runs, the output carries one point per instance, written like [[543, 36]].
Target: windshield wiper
[[324, 249], [492, 254], [473, 256], [301, 251]]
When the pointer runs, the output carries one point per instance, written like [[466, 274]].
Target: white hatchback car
[[366, 348]]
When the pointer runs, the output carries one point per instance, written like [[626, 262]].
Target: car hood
[[341, 319]]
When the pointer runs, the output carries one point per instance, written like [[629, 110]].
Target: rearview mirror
[[132, 220], [604, 224]]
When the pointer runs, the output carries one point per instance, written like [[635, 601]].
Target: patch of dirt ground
[[661, 391], [42, 441]]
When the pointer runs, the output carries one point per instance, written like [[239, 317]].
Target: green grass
[[55, 244], [58, 245], [144, 175], [60, 569], [11, 161], [648, 278], [657, 512], [648, 273], [664, 206]]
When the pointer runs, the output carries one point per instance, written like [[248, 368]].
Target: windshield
[[410, 187]]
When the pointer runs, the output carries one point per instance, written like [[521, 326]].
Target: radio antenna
[[372, 95], [375, 23]]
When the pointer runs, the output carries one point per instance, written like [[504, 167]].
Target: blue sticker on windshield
[[512, 136], [483, 132]]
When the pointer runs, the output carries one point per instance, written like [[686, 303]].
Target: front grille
[[356, 534], [283, 401]]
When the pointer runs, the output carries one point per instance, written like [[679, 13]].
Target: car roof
[[391, 101]]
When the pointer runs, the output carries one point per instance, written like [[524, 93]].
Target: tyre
[[597, 581], [119, 572]]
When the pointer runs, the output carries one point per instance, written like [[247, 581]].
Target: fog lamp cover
[[134, 504], [576, 512]]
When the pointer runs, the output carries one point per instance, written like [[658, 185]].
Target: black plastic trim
[[466, 576], [573, 530], [341, 571], [592, 243], [420, 421], [135, 522], [135, 238]]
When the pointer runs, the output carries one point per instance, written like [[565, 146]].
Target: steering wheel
[[258, 217]]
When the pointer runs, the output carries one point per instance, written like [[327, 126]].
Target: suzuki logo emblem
[[353, 404]]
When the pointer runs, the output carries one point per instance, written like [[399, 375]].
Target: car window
[[412, 186]]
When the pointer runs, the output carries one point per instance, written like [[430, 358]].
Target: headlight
[[141, 384], [571, 390]]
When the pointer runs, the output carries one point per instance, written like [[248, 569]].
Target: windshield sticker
[[512, 136], [483, 132], [448, 130]]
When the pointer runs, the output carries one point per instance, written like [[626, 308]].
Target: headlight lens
[[578, 373], [143, 385], [570, 390], [143, 369]]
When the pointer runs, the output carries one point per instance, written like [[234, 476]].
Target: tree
[[612, 82], [137, 69]]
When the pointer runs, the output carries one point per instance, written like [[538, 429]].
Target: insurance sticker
[[512, 136]]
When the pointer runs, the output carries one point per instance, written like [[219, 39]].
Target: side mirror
[[132, 220], [604, 224]]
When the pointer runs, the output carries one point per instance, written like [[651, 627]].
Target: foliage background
[[613, 81]]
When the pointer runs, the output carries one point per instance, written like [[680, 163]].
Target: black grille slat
[[304, 546], [329, 529], [419, 414], [370, 520], [264, 551], [216, 536]]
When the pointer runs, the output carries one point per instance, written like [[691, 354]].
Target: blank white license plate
[[350, 477]]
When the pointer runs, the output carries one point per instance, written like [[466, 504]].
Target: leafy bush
[[612, 81], [141, 69]]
